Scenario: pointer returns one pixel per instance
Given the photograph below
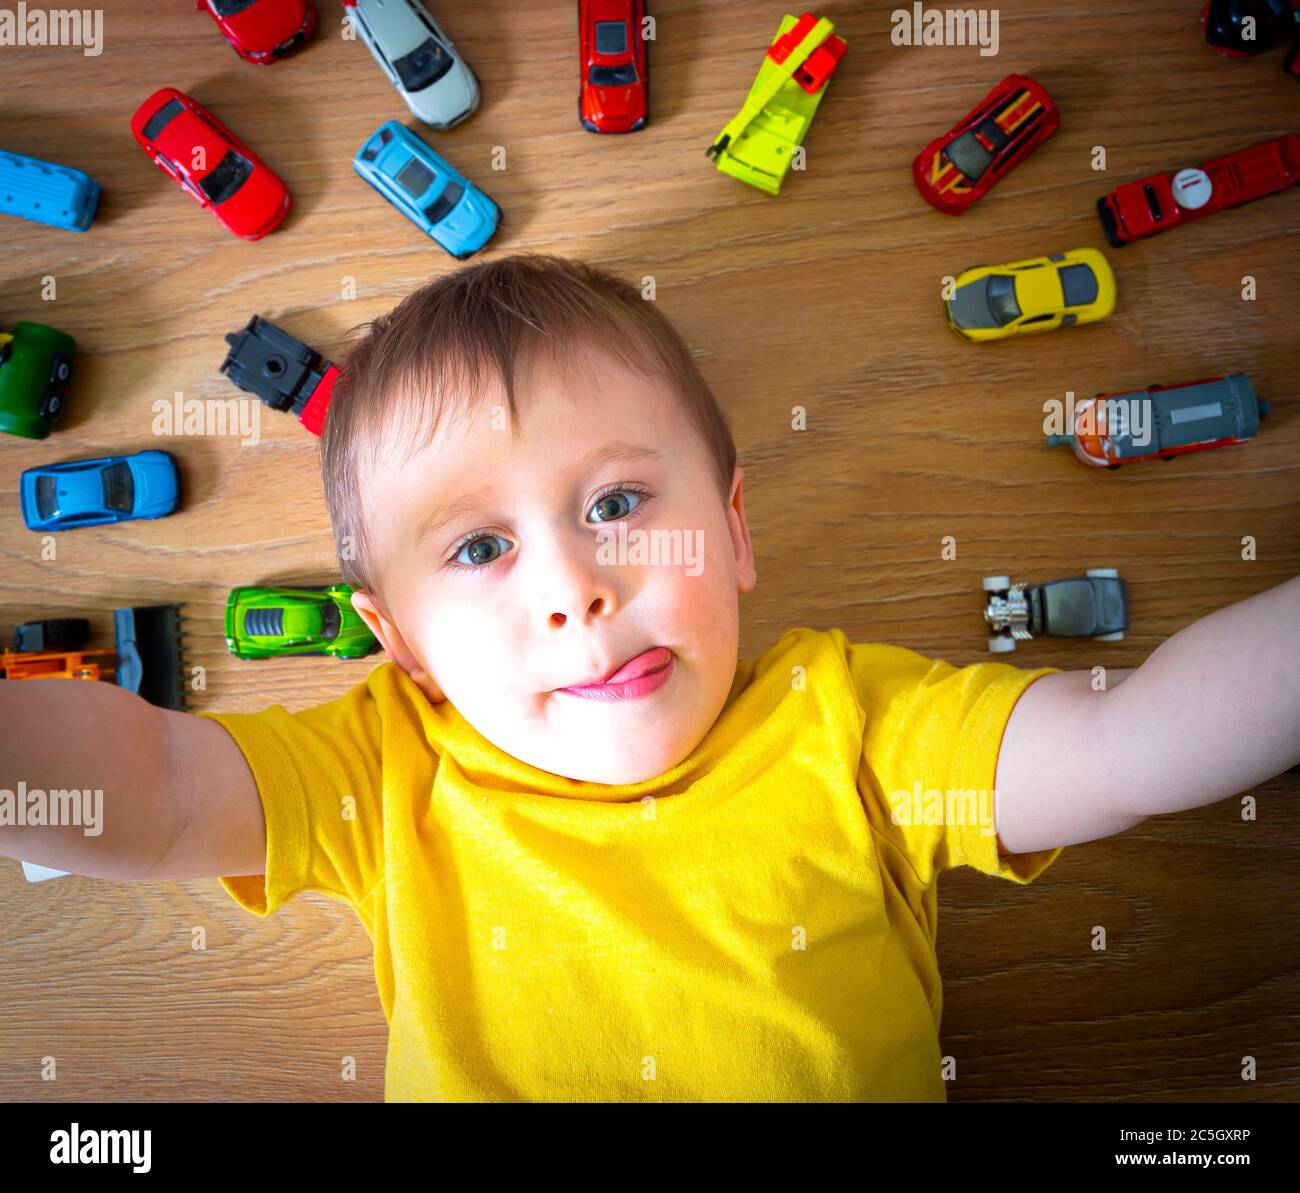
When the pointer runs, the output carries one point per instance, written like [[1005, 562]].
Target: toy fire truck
[[285, 373]]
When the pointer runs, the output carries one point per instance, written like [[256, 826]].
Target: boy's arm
[[178, 798], [1213, 711]]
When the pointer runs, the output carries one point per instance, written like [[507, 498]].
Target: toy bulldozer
[[758, 145], [148, 660]]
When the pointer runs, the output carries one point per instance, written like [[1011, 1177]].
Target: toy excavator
[[758, 145], [148, 659]]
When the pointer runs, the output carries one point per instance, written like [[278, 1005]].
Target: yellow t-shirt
[[754, 924]]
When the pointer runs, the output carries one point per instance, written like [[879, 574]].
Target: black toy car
[[1093, 606]]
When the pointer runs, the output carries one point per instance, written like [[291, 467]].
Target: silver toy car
[[418, 58], [1093, 606]]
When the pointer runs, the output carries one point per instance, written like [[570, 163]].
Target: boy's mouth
[[637, 677]]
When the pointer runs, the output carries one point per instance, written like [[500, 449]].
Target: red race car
[[210, 163], [1165, 201], [1014, 119], [613, 95], [262, 31]]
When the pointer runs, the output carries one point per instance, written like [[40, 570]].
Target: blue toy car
[[56, 195], [91, 492], [428, 191]]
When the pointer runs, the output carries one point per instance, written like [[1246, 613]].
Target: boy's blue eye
[[615, 505], [477, 551], [480, 550]]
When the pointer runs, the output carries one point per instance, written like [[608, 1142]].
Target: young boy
[[599, 857]]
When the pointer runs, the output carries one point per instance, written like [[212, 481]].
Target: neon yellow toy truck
[[759, 144]]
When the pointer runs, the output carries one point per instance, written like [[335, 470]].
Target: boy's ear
[[390, 638], [746, 577]]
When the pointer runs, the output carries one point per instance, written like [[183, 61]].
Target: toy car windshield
[[119, 488], [441, 207], [227, 178], [423, 66], [969, 156], [1002, 298], [612, 76], [47, 497], [229, 8]]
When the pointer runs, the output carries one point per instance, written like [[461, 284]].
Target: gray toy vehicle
[[1093, 606]]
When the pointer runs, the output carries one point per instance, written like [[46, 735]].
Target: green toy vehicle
[[35, 368], [758, 145], [262, 623]]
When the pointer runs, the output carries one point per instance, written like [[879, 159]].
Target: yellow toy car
[[994, 302]]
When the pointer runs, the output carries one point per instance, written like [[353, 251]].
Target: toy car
[[35, 369], [1244, 28], [955, 170], [262, 31], [1164, 421], [613, 59], [1095, 606], [760, 142], [91, 492], [993, 302], [434, 196], [212, 165], [282, 371], [1165, 201], [262, 623], [59, 196], [418, 58]]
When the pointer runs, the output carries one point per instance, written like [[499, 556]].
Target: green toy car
[[35, 368], [262, 623]]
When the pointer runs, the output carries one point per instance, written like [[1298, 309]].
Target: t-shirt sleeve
[[318, 778], [931, 736]]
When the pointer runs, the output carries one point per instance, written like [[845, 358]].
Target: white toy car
[[418, 58]]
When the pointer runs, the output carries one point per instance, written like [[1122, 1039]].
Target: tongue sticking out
[[643, 664]]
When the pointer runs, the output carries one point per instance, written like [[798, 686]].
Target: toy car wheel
[[1103, 573], [1001, 645], [1117, 636], [53, 404], [996, 583]]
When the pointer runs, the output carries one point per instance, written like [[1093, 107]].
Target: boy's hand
[[1213, 711], [178, 799]]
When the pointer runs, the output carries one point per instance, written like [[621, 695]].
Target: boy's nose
[[579, 588]]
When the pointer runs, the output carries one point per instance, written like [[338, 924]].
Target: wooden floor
[[826, 297]]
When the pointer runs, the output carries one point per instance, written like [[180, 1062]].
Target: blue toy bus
[[48, 194]]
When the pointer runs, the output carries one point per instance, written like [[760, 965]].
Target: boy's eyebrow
[[610, 453]]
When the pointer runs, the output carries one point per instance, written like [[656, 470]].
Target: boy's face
[[563, 563]]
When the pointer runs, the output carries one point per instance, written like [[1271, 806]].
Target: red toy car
[[210, 163], [614, 95], [1164, 201], [1014, 119], [262, 31]]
